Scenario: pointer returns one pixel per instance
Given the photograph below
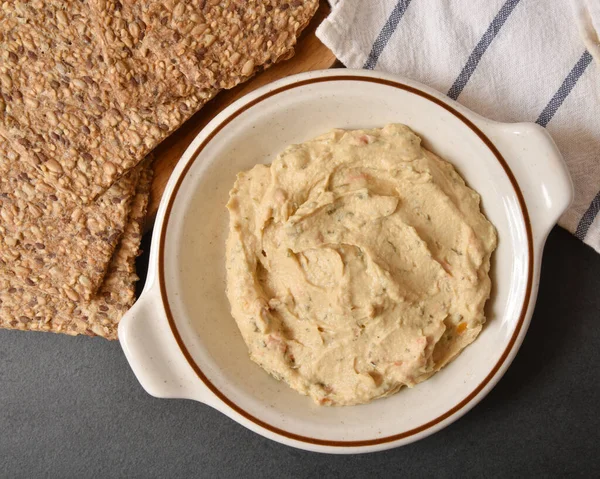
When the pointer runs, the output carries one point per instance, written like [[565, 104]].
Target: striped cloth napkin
[[508, 60]]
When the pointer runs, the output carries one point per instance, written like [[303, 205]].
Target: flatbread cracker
[[51, 242], [50, 53], [123, 259], [67, 157], [76, 113], [143, 74], [57, 104], [213, 44], [25, 308], [235, 39]]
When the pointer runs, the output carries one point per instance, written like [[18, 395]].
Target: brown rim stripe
[[369, 442]]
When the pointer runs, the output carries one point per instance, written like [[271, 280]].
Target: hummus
[[357, 263]]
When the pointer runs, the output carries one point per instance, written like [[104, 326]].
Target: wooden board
[[310, 55]]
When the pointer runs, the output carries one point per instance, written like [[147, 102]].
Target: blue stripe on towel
[[563, 92], [489, 35], [588, 218], [386, 32]]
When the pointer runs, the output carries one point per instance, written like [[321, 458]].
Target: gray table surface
[[71, 407]]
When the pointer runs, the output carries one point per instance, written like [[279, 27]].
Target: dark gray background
[[71, 407]]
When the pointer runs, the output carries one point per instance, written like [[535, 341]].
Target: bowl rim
[[430, 425]]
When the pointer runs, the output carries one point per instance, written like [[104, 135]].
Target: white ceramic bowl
[[180, 338]]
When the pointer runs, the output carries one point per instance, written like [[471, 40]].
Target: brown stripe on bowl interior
[[369, 442]]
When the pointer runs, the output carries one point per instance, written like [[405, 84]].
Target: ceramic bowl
[[180, 338]]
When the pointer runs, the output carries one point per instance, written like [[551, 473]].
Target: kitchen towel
[[508, 60]]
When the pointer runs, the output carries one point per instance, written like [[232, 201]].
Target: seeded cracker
[[61, 108], [25, 308], [50, 53], [51, 242], [57, 106], [234, 38], [142, 77], [215, 44], [123, 259], [55, 102]]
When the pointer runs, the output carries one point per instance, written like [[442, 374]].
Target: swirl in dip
[[357, 263]]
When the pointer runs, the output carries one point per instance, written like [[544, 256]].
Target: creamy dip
[[357, 263]]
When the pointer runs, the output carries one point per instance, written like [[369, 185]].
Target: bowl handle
[[539, 169], [153, 352]]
